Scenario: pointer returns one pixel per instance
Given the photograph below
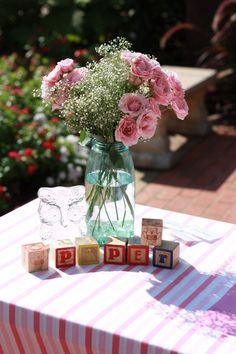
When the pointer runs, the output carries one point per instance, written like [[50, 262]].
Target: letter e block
[[35, 257], [63, 253], [115, 251], [166, 255], [137, 254], [151, 232], [88, 250]]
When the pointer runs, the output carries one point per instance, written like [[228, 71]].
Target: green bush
[[35, 147], [57, 28]]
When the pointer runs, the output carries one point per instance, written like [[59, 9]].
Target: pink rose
[[53, 77], [180, 107], [147, 123], [58, 101], [142, 67], [154, 107], [175, 84], [133, 104], [161, 87], [127, 131], [134, 80], [75, 76], [66, 65], [128, 56]]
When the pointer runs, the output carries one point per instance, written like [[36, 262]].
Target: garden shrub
[[35, 147]]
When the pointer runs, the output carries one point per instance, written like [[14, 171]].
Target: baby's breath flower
[[88, 99]]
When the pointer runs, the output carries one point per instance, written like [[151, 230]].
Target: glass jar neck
[[106, 146]]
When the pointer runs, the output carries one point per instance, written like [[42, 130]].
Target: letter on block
[[115, 251], [63, 253], [35, 257], [166, 255], [151, 232], [88, 250], [137, 253]]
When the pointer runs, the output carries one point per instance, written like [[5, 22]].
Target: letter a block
[[137, 254], [88, 250], [166, 255], [63, 253], [151, 232], [35, 257], [115, 251]]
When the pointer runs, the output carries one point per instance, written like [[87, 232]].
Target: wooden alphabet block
[[166, 255], [35, 257], [88, 250], [63, 253], [137, 254], [151, 232], [115, 251]]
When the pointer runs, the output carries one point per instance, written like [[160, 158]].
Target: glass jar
[[110, 191]]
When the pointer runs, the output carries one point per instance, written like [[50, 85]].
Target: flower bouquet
[[117, 101]]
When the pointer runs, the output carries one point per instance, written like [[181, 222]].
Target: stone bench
[[165, 149]]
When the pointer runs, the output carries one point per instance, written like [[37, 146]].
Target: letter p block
[[64, 253], [115, 251]]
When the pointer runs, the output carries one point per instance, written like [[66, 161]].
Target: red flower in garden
[[28, 151], [31, 169], [80, 52], [57, 157], [19, 124], [2, 189], [14, 108], [54, 120], [42, 131], [14, 155], [17, 90], [48, 145], [24, 110]]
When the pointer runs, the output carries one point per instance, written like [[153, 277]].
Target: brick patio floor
[[203, 183]]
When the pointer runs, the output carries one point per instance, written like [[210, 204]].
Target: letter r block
[[63, 253], [166, 255], [137, 254], [115, 251]]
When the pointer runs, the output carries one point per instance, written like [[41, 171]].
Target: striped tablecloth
[[121, 309]]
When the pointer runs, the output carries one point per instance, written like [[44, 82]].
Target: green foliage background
[[58, 27]]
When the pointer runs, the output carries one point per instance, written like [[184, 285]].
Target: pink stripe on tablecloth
[[12, 307], [60, 293], [89, 326], [62, 331], [4, 330], [27, 330], [144, 346], [219, 340], [50, 335], [37, 332], [12, 322], [217, 344], [96, 291], [18, 239], [5, 337], [17, 223]]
